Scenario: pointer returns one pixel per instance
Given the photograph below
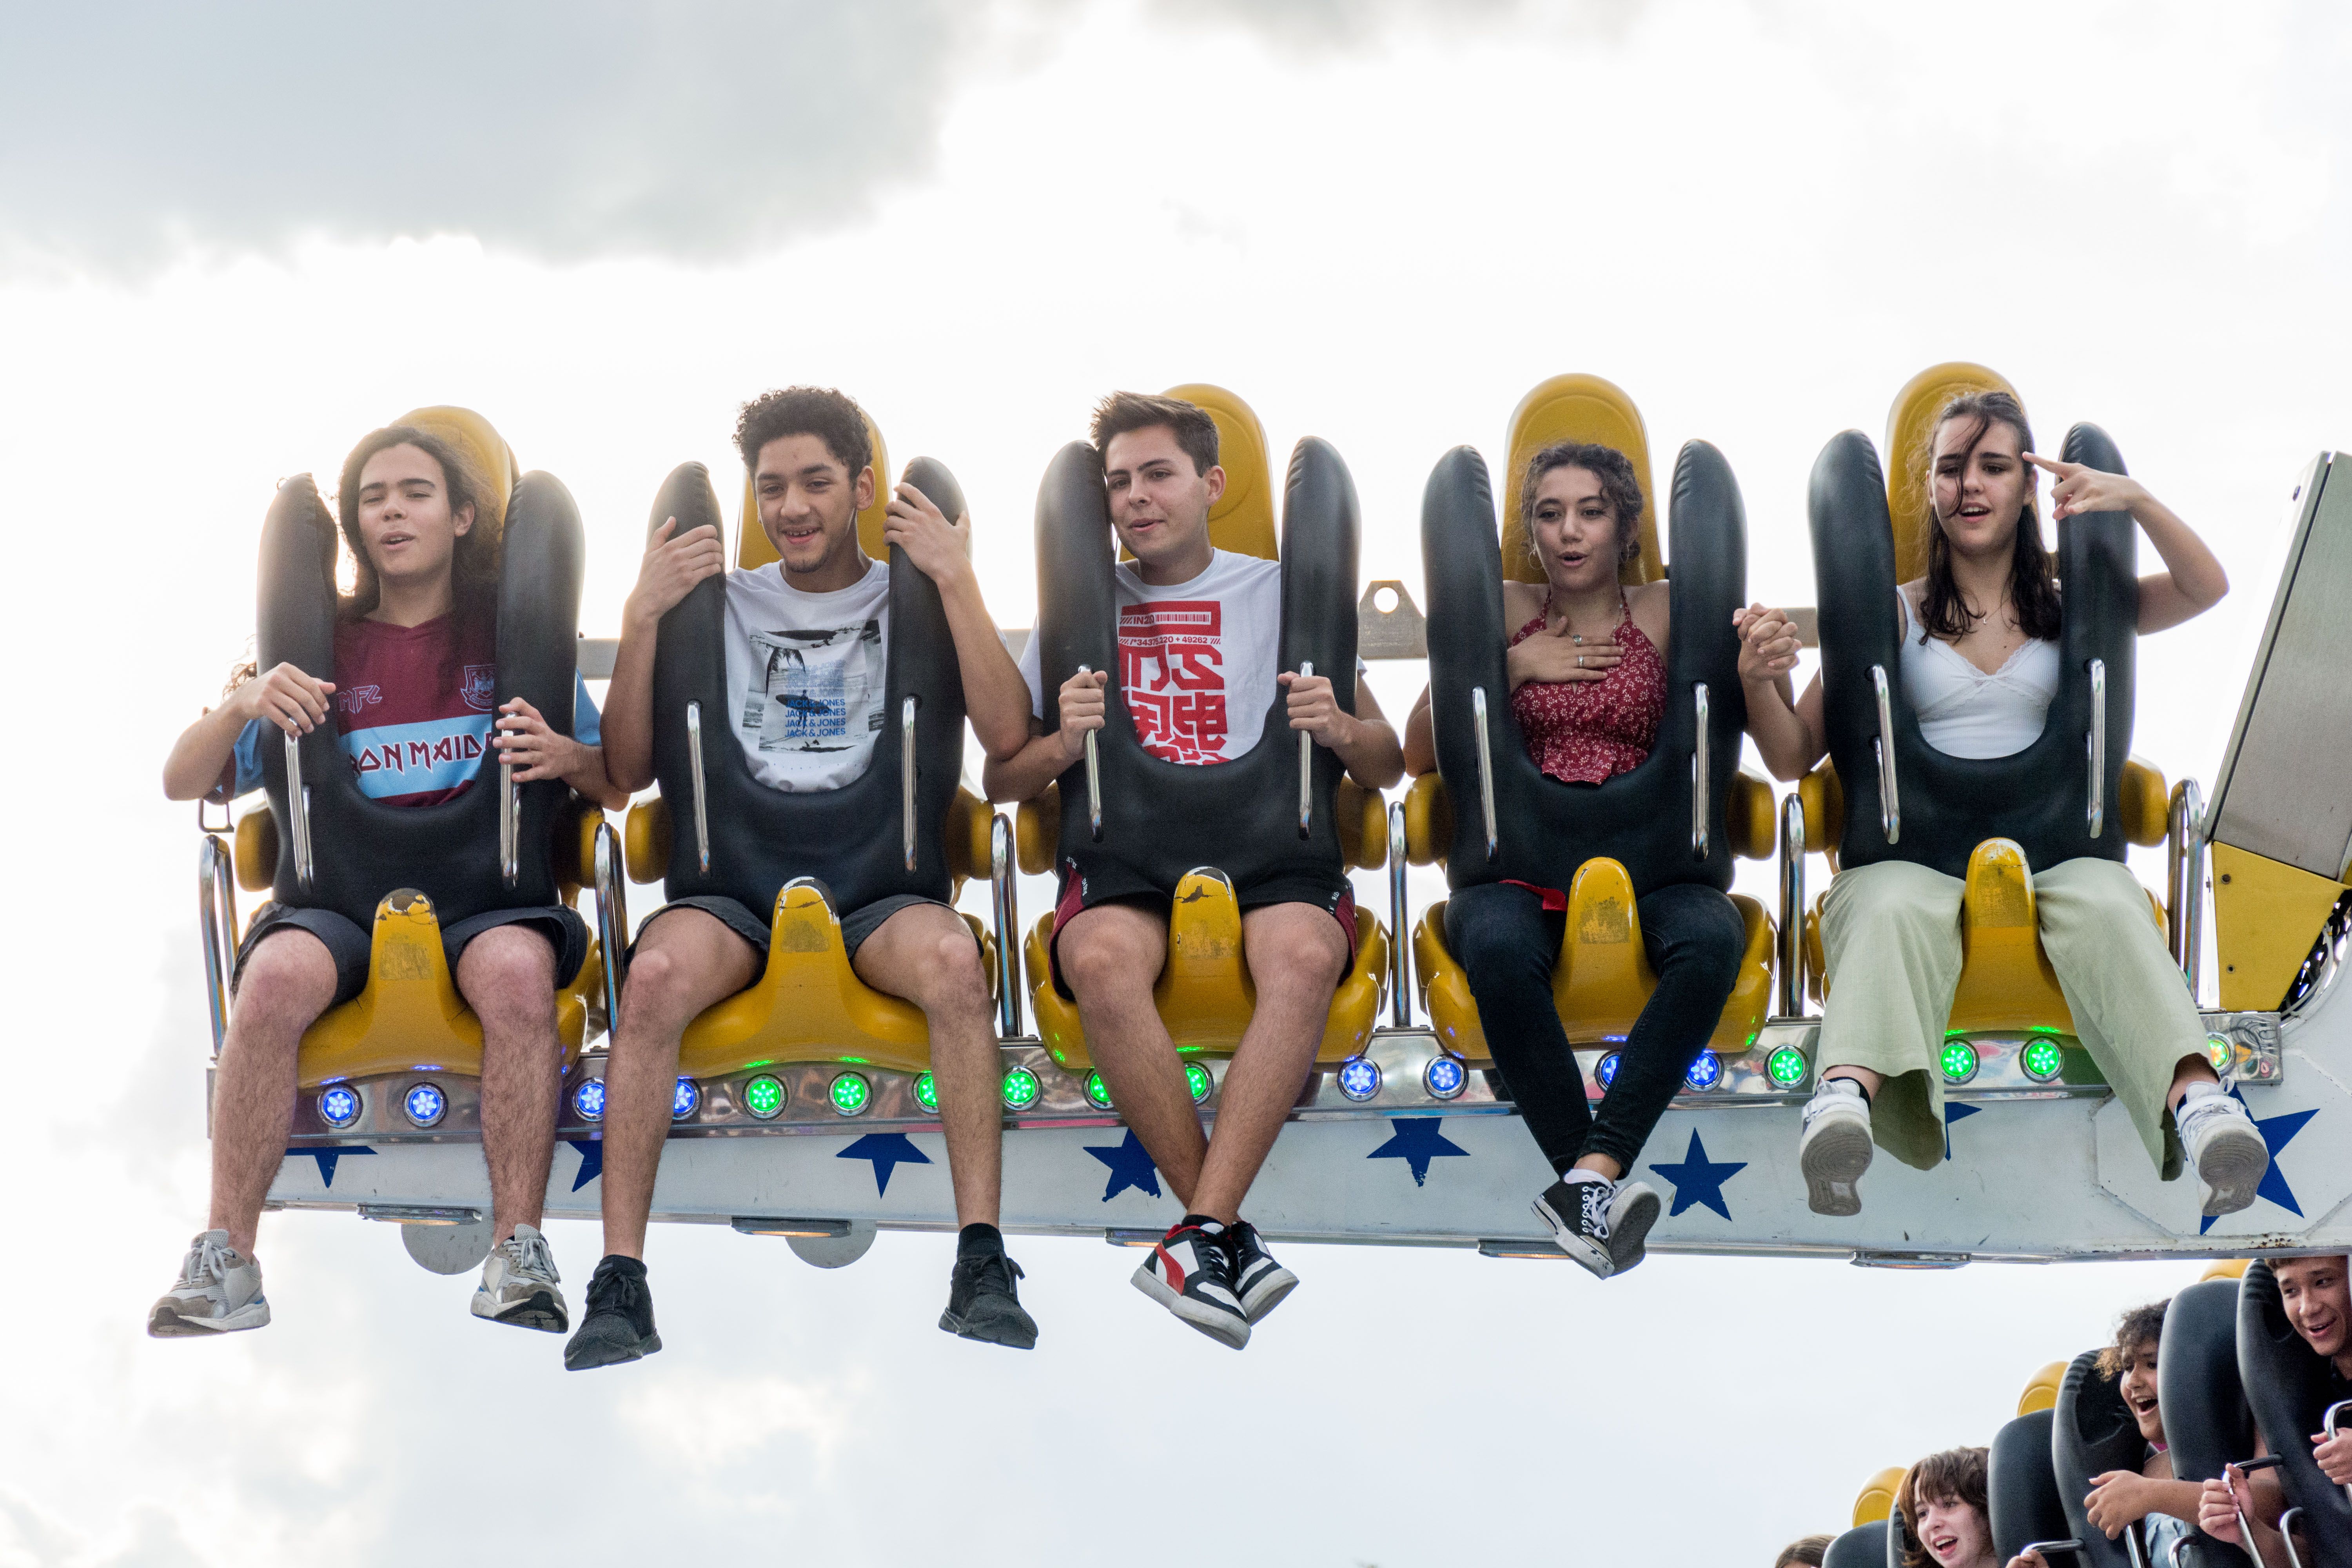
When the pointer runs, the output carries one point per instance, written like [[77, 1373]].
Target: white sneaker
[[1835, 1148], [520, 1285], [218, 1292], [2225, 1148]]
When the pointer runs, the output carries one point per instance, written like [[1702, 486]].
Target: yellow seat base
[[1204, 994], [410, 1018], [1602, 978]]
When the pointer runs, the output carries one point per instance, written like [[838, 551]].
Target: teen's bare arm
[[286, 697], [671, 568], [995, 697]]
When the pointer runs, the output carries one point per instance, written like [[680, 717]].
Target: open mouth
[[395, 540], [1945, 1547]]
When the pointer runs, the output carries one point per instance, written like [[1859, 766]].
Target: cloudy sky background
[[232, 241]]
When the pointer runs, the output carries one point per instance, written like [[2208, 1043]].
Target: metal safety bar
[[1400, 971], [1004, 908], [1094, 779], [217, 919], [2246, 1527], [1890, 802], [2049, 1549], [2286, 1524], [2184, 879], [1792, 908], [701, 795], [612, 920], [1485, 765], [1306, 764], [2135, 1544], [2097, 746], [1701, 776], [2328, 1424], [298, 807], [906, 778], [510, 825]]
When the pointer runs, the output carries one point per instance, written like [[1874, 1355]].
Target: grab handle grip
[[701, 793], [510, 825], [1306, 765], [2097, 746], [906, 778], [1485, 765], [1093, 778], [611, 921], [1890, 802], [297, 808], [1701, 776]]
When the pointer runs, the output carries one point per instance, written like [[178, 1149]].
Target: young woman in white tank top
[[1979, 663]]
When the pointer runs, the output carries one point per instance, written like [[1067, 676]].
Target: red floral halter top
[[1584, 731]]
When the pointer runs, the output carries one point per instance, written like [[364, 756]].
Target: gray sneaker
[[218, 1292], [520, 1285], [2225, 1149]]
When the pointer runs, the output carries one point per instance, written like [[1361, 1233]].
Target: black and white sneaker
[[1259, 1283], [1190, 1274], [619, 1323], [1576, 1208], [984, 1304], [1632, 1210]]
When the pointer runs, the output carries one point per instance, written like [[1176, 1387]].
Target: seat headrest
[[2042, 1389], [482, 444], [1243, 519], [1908, 425], [1576, 408], [1877, 1499], [751, 546]]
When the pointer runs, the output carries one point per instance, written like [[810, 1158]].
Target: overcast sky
[[231, 241]]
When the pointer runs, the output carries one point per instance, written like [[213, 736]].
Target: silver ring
[[1579, 661]]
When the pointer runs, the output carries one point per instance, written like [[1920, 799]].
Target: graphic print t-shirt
[[805, 676]]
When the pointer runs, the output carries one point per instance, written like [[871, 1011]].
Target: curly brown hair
[[1956, 1475], [830, 416], [1123, 412], [2140, 1326], [1620, 487]]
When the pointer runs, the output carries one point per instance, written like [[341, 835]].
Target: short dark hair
[[1123, 413], [2141, 1325], [1956, 1475], [1618, 487], [833, 418], [1807, 1550]]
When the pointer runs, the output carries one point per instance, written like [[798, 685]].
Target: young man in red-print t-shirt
[[1200, 634], [411, 701]]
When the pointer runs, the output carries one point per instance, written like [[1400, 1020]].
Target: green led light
[[1960, 1061], [2042, 1059], [1198, 1077], [861, 1061], [1786, 1067], [927, 1093], [1021, 1089], [763, 1097], [850, 1094], [1097, 1091], [2217, 1047]]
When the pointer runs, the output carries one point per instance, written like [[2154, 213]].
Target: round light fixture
[[1360, 1078], [1097, 1091], [927, 1093], [1021, 1089], [763, 1097], [1444, 1078], [1197, 1078], [1606, 1070], [685, 1098], [1958, 1061], [1705, 1072], [588, 1099], [1785, 1066], [339, 1107], [2042, 1059], [425, 1104], [851, 1094]]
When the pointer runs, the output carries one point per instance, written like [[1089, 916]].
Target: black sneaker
[[1190, 1274], [1259, 1283], [619, 1324], [1578, 1214], [984, 1304]]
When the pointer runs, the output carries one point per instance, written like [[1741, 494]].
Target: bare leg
[[686, 961], [506, 975], [927, 955], [1296, 955], [289, 981], [1110, 956], [2188, 1069]]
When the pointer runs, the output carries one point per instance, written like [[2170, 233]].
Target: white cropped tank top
[[1963, 711]]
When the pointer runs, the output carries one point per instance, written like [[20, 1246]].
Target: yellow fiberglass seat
[[1602, 977], [1204, 993]]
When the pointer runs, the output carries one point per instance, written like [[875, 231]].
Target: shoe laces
[[1213, 1261], [530, 1256], [207, 1262], [992, 1271], [1596, 1197], [619, 1290], [1826, 1100], [1242, 1244]]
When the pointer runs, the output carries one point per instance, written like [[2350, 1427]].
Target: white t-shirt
[[806, 676], [1963, 711]]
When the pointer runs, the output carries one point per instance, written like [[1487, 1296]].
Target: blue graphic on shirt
[[587, 728]]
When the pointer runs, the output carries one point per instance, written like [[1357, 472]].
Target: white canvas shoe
[[2225, 1148], [1835, 1148], [218, 1292]]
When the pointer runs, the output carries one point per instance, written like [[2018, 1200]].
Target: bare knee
[[507, 974], [956, 977], [1099, 962], [1302, 953], [287, 981]]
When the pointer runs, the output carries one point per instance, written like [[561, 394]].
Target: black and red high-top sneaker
[[1190, 1275]]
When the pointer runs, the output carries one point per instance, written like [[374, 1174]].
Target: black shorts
[[856, 926], [1108, 882], [350, 946]]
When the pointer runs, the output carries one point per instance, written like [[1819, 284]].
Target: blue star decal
[[591, 1161], [888, 1150], [1416, 1141], [1131, 1166], [327, 1158], [1697, 1181], [2277, 1132], [1954, 1111]]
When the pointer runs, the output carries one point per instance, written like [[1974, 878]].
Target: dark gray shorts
[[350, 946], [856, 926]]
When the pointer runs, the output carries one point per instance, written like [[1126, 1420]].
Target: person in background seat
[[1805, 1552], [2317, 1298], [413, 647], [1588, 672], [2119, 1497], [1942, 1506], [1981, 662]]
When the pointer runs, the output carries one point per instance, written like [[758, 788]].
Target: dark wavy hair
[[1618, 487], [2141, 1325], [472, 564], [1956, 1475], [2032, 589], [1125, 412], [832, 416]]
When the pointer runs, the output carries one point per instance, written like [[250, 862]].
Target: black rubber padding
[[2287, 1385], [2093, 1431], [2207, 1425], [2021, 1493], [1864, 1546]]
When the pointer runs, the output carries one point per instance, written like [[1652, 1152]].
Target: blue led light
[[1444, 1078], [688, 1096], [1360, 1078], [588, 1099], [1607, 1069], [339, 1107], [424, 1103], [1705, 1072]]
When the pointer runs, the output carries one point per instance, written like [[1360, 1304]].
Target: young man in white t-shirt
[[806, 640], [1199, 632]]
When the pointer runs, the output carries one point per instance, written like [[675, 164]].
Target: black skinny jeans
[[1504, 938]]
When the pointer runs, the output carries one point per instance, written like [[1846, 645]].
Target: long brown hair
[[2032, 590], [473, 563]]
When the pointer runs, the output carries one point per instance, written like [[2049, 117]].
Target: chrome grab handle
[[1485, 765], [1793, 908], [216, 920], [298, 807], [1701, 776], [1400, 974], [510, 825], [2245, 1530], [1890, 803], [906, 778], [701, 796], [1006, 908], [2286, 1524], [1094, 777], [2050, 1548], [2098, 745], [1306, 765], [2135, 1544], [2328, 1425], [611, 921], [2184, 881]]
